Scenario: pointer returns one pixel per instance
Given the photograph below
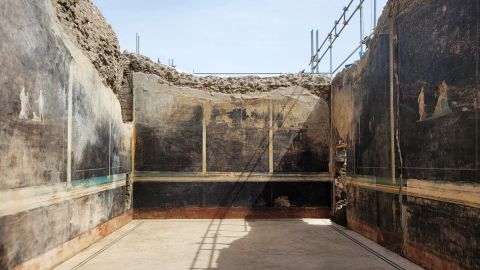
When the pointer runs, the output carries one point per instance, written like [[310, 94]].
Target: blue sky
[[232, 36]]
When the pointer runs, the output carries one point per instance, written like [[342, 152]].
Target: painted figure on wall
[[442, 107], [421, 105], [477, 100], [41, 104], [25, 105]]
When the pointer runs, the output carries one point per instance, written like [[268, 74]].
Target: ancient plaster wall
[[436, 89], [435, 136], [204, 154], [315, 84], [170, 120], [65, 150]]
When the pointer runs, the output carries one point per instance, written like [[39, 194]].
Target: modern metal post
[[361, 30], [318, 54], [311, 49], [331, 57], [137, 43], [316, 46]]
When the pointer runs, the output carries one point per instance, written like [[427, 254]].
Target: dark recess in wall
[[166, 195]]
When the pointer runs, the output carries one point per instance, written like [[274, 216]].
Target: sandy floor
[[236, 244]]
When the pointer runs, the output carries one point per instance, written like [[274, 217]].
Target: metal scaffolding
[[318, 53], [137, 43]]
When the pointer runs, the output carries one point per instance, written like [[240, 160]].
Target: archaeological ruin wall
[[409, 113], [210, 146], [81, 122], [65, 150]]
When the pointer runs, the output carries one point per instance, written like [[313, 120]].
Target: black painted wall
[[436, 96], [438, 44], [237, 136], [435, 48], [169, 195], [28, 234], [32, 151], [39, 67], [371, 153], [381, 211], [169, 129], [444, 229]]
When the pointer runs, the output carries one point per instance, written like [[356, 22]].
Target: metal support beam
[[320, 52], [316, 46], [312, 53], [361, 31], [137, 43], [331, 57]]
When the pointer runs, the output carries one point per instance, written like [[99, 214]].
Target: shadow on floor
[[281, 244]]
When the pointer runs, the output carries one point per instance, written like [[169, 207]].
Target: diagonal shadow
[[233, 194]]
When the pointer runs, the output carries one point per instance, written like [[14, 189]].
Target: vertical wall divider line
[[477, 84], [134, 130], [110, 178], [133, 146], [204, 140], [270, 136], [69, 127], [391, 78]]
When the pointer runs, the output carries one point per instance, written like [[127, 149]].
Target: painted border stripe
[[21, 205]]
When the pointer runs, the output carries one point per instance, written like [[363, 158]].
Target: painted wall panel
[[170, 121], [41, 206], [301, 134], [28, 234], [439, 91], [168, 127], [436, 92], [361, 112], [237, 135], [436, 89], [447, 230], [34, 66]]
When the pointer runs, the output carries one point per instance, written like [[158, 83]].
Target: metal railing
[[137, 44], [318, 53], [238, 73], [246, 73]]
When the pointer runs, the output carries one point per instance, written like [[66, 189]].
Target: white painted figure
[[24, 103], [41, 104]]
